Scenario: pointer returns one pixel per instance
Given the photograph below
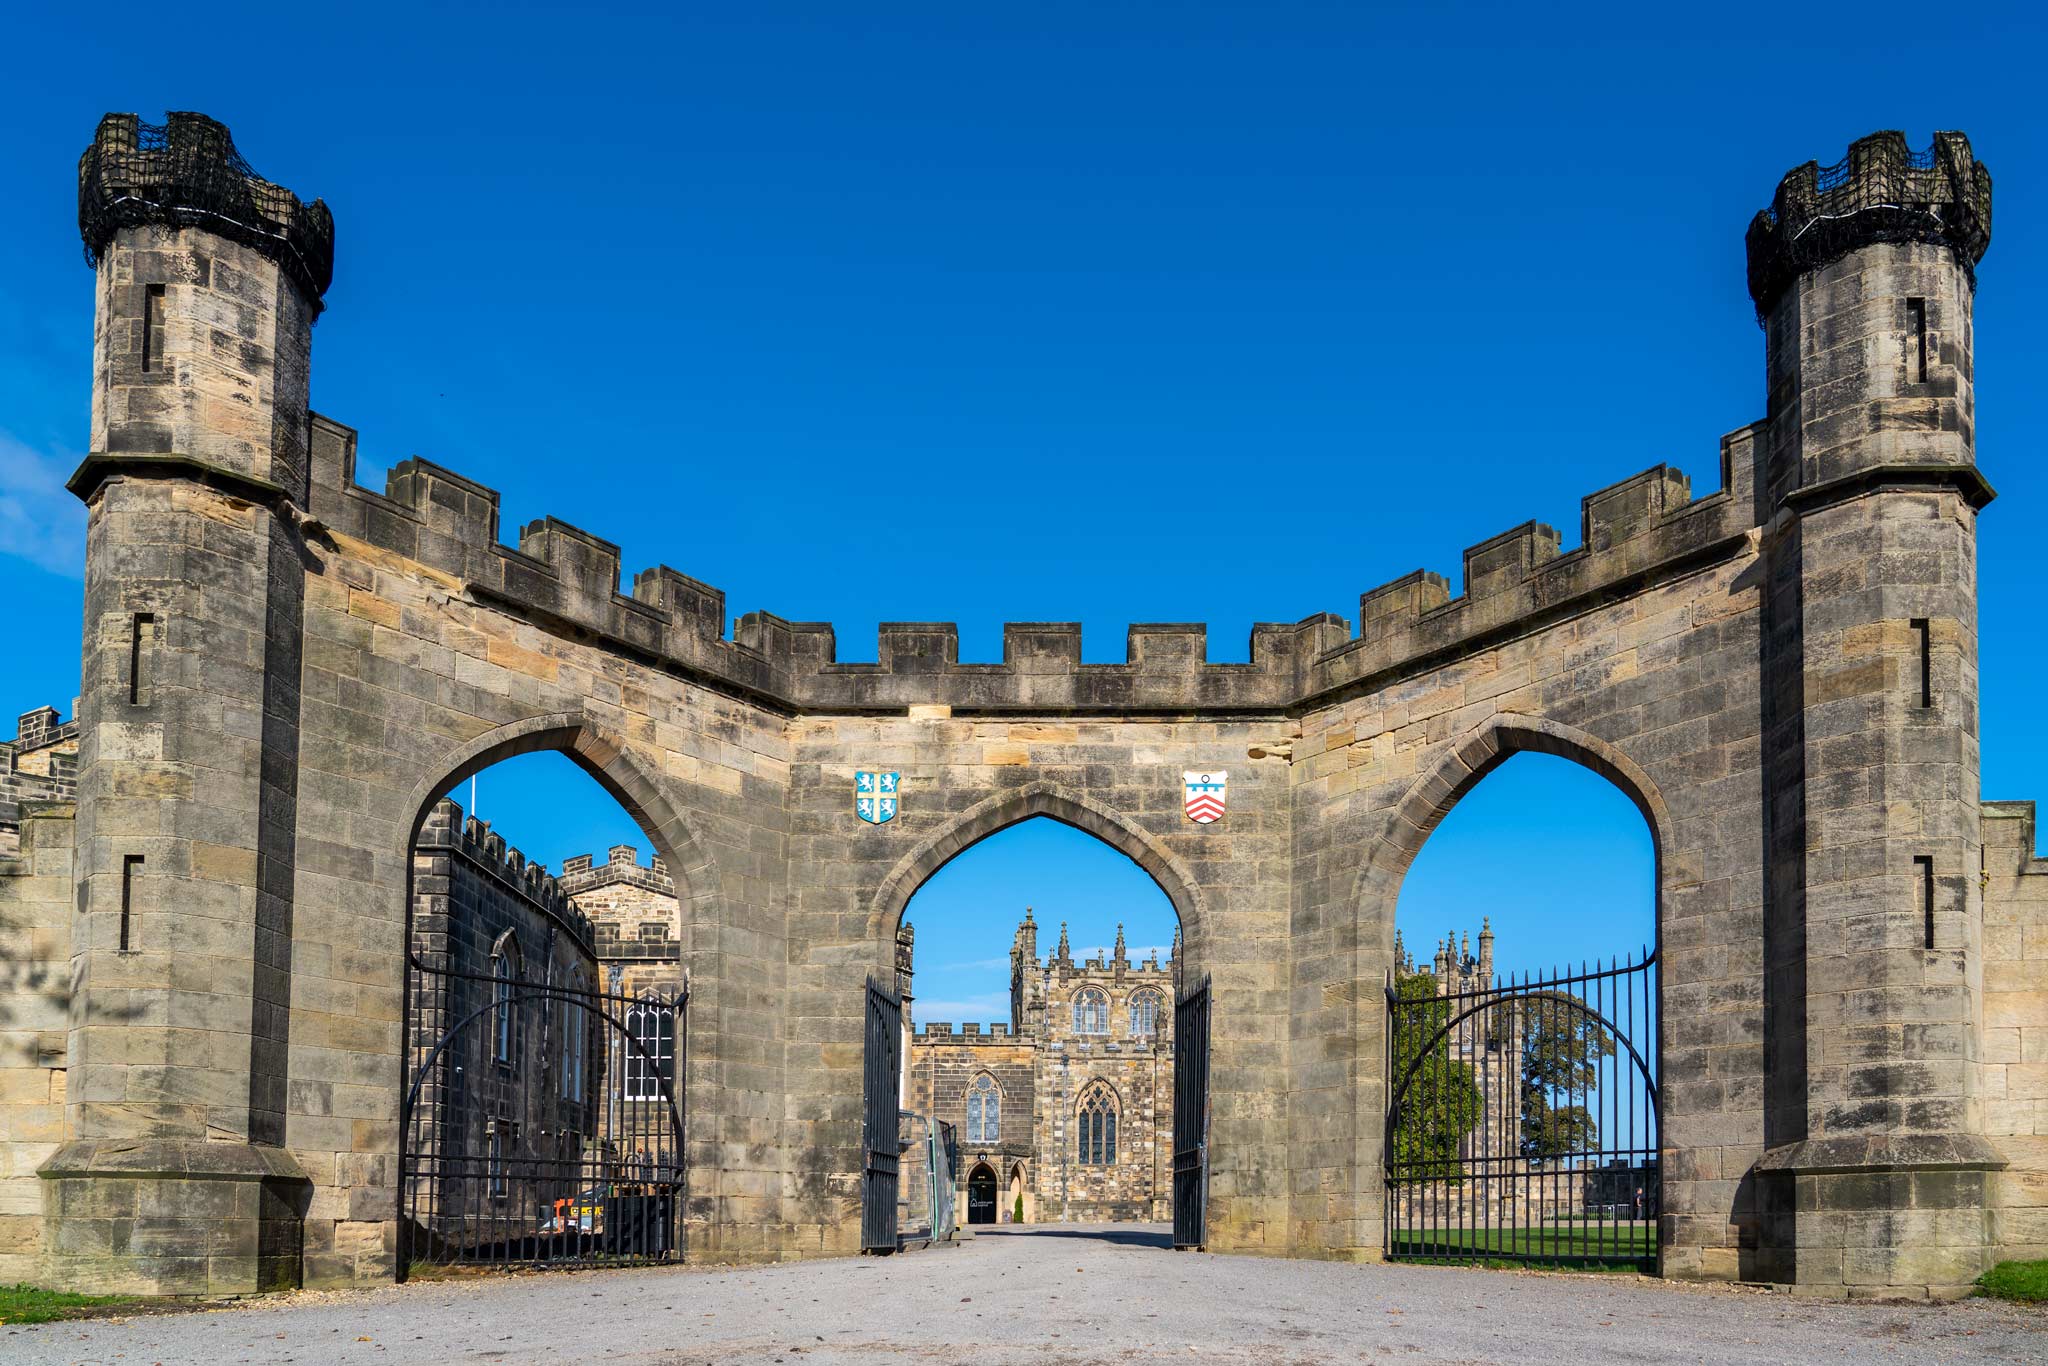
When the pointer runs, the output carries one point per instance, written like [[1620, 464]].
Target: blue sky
[[1109, 313]]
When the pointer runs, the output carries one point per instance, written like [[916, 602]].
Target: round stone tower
[[1864, 277]]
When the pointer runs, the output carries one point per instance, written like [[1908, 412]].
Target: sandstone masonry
[[283, 670]]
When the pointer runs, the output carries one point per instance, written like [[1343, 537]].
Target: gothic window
[[984, 1110], [1145, 1013], [1095, 1128], [504, 971], [1091, 1012], [652, 1027], [575, 1042]]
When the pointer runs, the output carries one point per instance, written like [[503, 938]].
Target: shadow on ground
[[1125, 1235]]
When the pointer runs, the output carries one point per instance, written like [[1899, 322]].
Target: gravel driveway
[[1063, 1294]]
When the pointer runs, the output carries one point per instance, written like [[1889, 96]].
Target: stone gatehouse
[[282, 671]]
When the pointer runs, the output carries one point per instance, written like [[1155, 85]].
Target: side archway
[[537, 1141], [1567, 1006]]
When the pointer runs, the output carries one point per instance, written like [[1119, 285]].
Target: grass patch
[[26, 1304], [1624, 1248], [2023, 1281]]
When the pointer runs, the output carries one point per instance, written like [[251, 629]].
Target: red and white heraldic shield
[[1204, 795]]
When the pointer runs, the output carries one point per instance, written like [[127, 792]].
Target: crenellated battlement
[[1883, 191], [945, 1031], [567, 579], [1631, 533], [446, 827], [186, 172]]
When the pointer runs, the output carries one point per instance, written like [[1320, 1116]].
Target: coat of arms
[[874, 796], [1204, 796]]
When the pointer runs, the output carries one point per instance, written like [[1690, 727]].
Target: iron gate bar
[[882, 1086], [1552, 1167], [1191, 1117], [613, 1192]]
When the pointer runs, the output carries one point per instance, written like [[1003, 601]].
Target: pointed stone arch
[[997, 813], [614, 767], [1471, 758]]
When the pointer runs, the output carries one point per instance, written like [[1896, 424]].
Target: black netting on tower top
[[1881, 192], [186, 171]]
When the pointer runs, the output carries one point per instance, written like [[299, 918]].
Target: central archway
[[1066, 1021]]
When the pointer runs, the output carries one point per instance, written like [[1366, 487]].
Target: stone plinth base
[[159, 1216], [1878, 1217]]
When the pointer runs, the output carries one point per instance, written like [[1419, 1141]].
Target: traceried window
[[652, 1026], [1095, 1128], [984, 1110], [1145, 1013], [1091, 1012]]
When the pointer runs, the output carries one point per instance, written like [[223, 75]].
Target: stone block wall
[[2014, 1048], [632, 910], [1138, 1184], [39, 764], [35, 998], [944, 1063]]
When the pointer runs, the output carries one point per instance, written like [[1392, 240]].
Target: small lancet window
[[152, 328], [504, 1025]]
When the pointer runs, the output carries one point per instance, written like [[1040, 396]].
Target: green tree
[[1441, 1102], [1563, 1045]]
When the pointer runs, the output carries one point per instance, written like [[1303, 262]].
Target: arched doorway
[[981, 1195], [1067, 988], [541, 1099], [1522, 1043]]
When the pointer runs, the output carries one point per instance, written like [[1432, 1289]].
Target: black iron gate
[[539, 1124], [1522, 1117], [883, 1062], [1191, 1117]]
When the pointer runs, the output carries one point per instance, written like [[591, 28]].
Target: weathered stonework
[[2013, 1047], [283, 670], [633, 911], [39, 765], [36, 881]]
